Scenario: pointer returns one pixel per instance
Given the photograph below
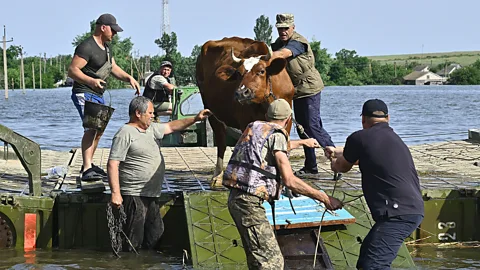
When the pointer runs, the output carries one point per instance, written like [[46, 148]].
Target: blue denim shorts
[[79, 101]]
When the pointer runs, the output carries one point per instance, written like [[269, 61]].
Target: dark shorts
[[144, 225], [381, 245]]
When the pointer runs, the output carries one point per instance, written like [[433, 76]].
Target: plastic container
[[56, 172]]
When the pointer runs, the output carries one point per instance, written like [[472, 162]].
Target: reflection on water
[[425, 258], [84, 259], [446, 112], [446, 258]]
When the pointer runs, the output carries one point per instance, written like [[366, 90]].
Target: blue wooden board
[[308, 214]]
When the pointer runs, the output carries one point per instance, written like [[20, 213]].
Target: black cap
[[109, 19], [375, 105]]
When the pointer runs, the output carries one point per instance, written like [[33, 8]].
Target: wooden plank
[[306, 213]]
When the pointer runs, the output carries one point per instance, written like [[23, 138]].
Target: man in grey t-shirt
[[136, 169]]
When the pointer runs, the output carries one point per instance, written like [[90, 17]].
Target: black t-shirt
[[95, 56], [389, 178]]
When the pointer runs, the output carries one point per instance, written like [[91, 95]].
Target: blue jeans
[[307, 114], [381, 245]]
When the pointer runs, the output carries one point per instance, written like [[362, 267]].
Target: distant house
[[423, 78], [422, 68], [445, 72]]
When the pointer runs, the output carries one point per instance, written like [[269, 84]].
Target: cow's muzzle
[[244, 94]]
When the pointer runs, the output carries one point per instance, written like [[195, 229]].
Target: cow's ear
[[276, 66], [225, 72]]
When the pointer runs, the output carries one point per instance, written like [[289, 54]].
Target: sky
[[371, 27]]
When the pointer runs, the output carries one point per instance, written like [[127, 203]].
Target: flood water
[[419, 114]]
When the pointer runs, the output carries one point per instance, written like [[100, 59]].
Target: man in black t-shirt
[[389, 182], [92, 63]]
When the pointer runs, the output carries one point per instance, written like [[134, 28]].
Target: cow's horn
[[236, 59], [269, 55]]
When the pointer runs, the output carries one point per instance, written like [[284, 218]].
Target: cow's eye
[[261, 72]]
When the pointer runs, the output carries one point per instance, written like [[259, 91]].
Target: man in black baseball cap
[[390, 184], [91, 65], [109, 20], [375, 108]]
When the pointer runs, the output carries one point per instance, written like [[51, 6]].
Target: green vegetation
[[469, 75], [263, 29], [433, 59]]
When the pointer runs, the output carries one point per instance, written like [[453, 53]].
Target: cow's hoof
[[216, 181]]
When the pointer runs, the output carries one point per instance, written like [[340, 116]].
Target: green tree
[[263, 30], [323, 59], [168, 43], [13, 53], [197, 49], [466, 76]]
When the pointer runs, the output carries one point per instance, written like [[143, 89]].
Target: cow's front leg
[[220, 140]]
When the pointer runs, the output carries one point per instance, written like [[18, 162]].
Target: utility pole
[[5, 75], [395, 68], [33, 73], [22, 71], [44, 62], [40, 71]]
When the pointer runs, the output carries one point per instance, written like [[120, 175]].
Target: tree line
[[345, 67]]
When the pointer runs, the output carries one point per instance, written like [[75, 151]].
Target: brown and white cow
[[237, 80]]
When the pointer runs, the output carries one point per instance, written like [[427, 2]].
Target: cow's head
[[253, 72]]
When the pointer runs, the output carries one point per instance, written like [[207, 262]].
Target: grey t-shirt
[[142, 167]]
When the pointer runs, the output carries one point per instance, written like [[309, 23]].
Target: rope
[[321, 220]]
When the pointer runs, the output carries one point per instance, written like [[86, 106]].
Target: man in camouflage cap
[[307, 82], [159, 87], [253, 176]]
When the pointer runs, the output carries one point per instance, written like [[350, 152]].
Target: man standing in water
[[92, 63], [136, 169]]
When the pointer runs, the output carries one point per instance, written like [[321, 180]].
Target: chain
[[115, 227]]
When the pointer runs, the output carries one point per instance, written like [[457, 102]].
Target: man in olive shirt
[[159, 88], [92, 63], [307, 82], [136, 169]]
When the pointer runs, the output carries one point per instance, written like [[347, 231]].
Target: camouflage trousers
[[258, 239]]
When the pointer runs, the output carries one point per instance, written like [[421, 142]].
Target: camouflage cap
[[166, 63], [279, 110], [284, 20]]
